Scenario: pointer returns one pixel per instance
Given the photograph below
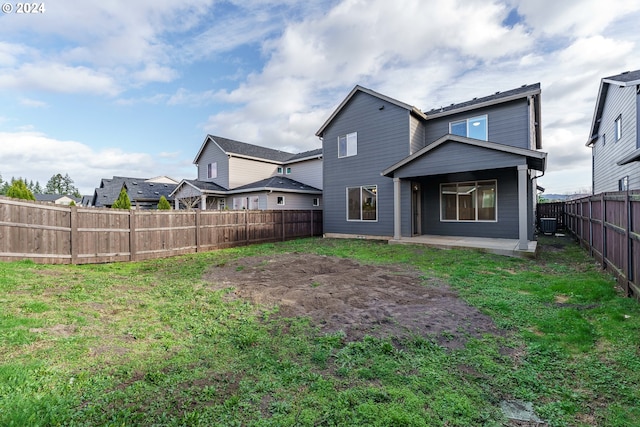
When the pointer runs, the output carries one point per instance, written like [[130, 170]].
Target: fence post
[[246, 224], [311, 221], [627, 234], [132, 235], [198, 227], [603, 225], [74, 238]]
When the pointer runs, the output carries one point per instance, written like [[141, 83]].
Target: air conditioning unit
[[548, 225]]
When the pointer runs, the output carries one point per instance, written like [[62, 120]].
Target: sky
[[131, 88]]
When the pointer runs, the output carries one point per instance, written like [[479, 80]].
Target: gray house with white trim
[[392, 171], [614, 139], [237, 175]]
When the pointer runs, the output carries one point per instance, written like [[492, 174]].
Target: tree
[[164, 204], [19, 190], [123, 201], [59, 184]]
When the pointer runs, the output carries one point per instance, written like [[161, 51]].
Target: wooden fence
[[52, 234], [551, 210], [608, 225]]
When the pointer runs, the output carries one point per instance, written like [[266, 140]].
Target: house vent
[[134, 183], [139, 191], [155, 192]]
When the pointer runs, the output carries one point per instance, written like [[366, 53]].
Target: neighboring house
[[58, 199], [393, 171], [143, 193], [237, 175], [614, 137]]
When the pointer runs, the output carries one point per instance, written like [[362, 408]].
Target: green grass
[[150, 343]]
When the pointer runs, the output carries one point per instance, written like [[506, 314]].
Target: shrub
[[164, 204], [19, 190], [122, 202]]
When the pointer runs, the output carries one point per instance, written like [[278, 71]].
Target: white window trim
[[618, 128], [347, 204], [470, 119], [354, 149], [316, 201], [283, 201], [288, 171], [495, 182], [279, 170]]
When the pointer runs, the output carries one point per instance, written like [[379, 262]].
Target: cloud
[[33, 103], [36, 156]]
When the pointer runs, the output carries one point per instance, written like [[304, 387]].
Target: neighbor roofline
[[273, 189]]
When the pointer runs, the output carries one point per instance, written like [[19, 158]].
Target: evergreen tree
[[164, 204], [37, 189], [123, 201], [59, 184], [19, 190]]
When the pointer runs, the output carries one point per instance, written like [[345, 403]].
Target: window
[[618, 128], [362, 203], [623, 184], [212, 170], [239, 203], [468, 201], [348, 145], [280, 170], [475, 127], [288, 170], [316, 201], [604, 139], [280, 200]]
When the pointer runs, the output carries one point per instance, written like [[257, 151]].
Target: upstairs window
[[280, 200], [280, 170], [475, 127], [288, 171], [212, 170], [618, 128], [348, 145]]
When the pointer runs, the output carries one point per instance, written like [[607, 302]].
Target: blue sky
[[97, 89]]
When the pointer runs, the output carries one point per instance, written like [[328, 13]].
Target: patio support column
[[203, 203], [397, 229], [523, 217]]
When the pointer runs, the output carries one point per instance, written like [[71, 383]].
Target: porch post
[[523, 215], [176, 203], [397, 229], [203, 203]]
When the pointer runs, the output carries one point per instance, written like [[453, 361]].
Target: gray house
[[237, 175], [392, 171], [144, 193], [614, 137]]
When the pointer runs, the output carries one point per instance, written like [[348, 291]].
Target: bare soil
[[339, 294]]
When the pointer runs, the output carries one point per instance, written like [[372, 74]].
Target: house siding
[[245, 171], [508, 123], [212, 153], [308, 172], [454, 157], [383, 139], [507, 202], [416, 134], [606, 172]]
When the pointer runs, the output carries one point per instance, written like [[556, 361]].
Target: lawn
[[173, 342]]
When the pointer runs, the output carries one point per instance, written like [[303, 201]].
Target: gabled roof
[[202, 186], [497, 98], [359, 88], [311, 154], [628, 78], [276, 183], [535, 159], [231, 147], [137, 190], [54, 197]]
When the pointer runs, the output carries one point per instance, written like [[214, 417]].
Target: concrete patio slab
[[507, 247]]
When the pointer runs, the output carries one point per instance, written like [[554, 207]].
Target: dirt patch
[[339, 294], [64, 331]]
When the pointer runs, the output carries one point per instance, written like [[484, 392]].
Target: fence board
[[53, 234], [608, 225]]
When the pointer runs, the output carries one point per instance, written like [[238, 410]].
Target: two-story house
[[237, 175], [392, 171], [614, 137]]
